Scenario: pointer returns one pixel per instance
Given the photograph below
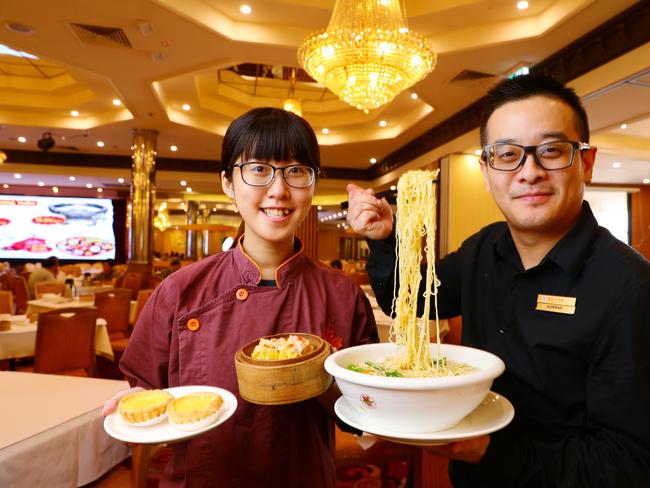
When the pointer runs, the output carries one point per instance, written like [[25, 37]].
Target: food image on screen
[[84, 246], [48, 220], [33, 244], [71, 228]]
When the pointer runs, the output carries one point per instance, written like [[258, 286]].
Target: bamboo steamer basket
[[268, 382]]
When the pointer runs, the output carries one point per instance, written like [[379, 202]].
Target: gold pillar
[[205, 238], [190, 243], [143, 196]]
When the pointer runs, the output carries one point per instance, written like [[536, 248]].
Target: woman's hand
[[110, 405], [470, 451], [367, 214]]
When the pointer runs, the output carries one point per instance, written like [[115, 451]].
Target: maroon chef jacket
[[267, 446]]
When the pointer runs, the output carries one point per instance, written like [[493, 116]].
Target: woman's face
[[272, 213]]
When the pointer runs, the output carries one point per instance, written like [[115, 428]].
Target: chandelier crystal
[[161, 221], [367, 55]]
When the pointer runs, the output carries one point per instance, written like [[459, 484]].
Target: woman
[[266, 285]]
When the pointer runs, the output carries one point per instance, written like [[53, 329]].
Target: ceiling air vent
[[98, 35], [468, 75]]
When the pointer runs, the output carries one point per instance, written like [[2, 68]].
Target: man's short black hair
[[175, 262], [50, 262], [532, 85]]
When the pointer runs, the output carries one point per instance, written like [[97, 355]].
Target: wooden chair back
[[133, 281], [21, 294], [7, 302], [65, 341], [143, 296], [113, 306], [48, 287], [71, 270]]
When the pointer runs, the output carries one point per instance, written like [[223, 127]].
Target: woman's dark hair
[[532, 85], [269, 134]]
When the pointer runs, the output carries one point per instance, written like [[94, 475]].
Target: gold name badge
[[555, 303]]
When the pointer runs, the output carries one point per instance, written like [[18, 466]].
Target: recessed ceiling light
[[393, 188], [245, 9], [186, 106], [523, 5], [320, 207], [19, 28], [89, 185], [645, 180], [99, 190], [188, 189], [74, 113], [72, 178], [414, 96], [5, 185], [100, 143], [173, 148], [373, 160], [40, 183], [325, 130], [477, 152], [383, 123], [120, 180], [22, 139], [18, 176], [616, 164], [183, 182], [117, 102], [623, 126], [55, 189]]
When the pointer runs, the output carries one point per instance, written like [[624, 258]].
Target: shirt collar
[[570, 253], [252, 274]]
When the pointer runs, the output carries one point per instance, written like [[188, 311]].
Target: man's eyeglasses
[[262, 174], [551, 156]]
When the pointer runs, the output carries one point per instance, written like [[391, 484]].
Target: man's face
[[532, 199]]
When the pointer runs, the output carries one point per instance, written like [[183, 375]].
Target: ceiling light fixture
[[523, 5], [40, 183], [373, 160], [120, 180], [291, 103], [5, 185], [367, 55], [325, 130], [117, 102], [89, 185], [173, 148], [646, 180], [46, 142], [414, 96], [22, 139], [74, 113], [623, 126], [188, 189], [383, 123], [245, 9], [72, 178], [18, 176], [100, 143], [616, 164], [186, 107], [55, 189], [183, 182]]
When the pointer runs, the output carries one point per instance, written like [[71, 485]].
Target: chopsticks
[[390, 195]]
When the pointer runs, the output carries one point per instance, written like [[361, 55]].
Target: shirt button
[[193, 324], [242, 294]]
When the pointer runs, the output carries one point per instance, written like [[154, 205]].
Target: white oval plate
[[164, 431], [494, 413]]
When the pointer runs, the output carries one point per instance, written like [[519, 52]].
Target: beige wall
[[469, 206]]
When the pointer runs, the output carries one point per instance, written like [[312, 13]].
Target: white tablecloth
[[20, 340], [41, 305], [51, 430]]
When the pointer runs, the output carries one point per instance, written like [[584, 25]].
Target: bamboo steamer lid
[[267, 382]]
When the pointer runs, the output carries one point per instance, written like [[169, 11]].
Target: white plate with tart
[[153, 417]]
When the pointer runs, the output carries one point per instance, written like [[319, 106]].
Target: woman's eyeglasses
[[262, 174]]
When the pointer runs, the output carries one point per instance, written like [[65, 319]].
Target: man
[[561, 301], [47, 272], [174, 265], [108, 271]]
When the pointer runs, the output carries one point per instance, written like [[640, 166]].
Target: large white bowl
[[414, 404]]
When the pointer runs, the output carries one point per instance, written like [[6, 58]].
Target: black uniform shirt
[[579, 382]]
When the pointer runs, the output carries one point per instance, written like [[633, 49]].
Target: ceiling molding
[[619, 35]]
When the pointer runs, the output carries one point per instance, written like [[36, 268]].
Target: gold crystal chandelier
[[291, 103], [367, 55], [161, 221]]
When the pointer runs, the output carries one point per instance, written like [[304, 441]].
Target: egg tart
[[144, 408], [194, 411]]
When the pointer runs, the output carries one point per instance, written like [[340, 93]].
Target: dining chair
[[43, 287], [21, 293], [65, 342], [113, 306], [143, 296], [71, 270], [133, 281], [7, 302]]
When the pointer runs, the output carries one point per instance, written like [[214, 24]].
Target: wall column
[[190, 243], [205, 240], [143, 196]]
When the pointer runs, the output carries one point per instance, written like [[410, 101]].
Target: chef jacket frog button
[[193, 324], [242, 294]]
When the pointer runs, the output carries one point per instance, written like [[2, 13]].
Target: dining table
[[51, 430], [19, 340], [41, 305]]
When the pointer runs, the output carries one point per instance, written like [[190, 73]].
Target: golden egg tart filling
[[144, 408], [194, 411]]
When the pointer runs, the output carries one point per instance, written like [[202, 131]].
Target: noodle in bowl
[[414, 405]]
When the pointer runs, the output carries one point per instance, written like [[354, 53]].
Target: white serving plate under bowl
[[414, 404]]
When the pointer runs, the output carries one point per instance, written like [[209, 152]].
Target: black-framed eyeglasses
[[262, 174], [551, 156]]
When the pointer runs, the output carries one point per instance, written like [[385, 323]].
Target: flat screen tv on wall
[[78, 229]]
